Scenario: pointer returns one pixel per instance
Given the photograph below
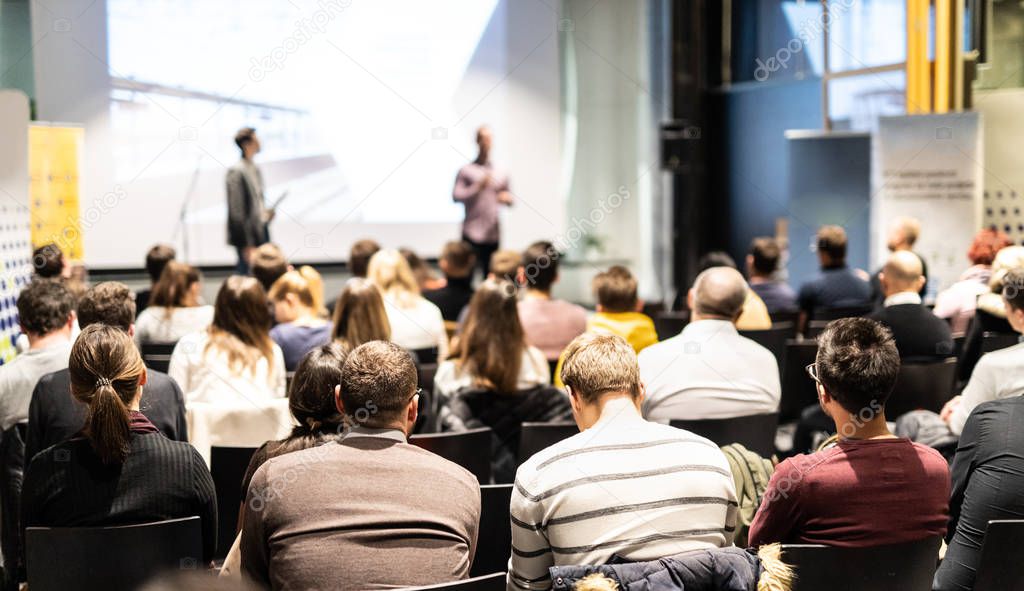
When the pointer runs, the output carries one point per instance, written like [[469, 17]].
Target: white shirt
[[901, 298], [204, 376], [533, 371], [708, 371], [417, 327], [999, 374], [157, 324]]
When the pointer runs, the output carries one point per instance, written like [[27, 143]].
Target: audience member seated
[[46, 315], [871, 488], [234, 361], [425, 277], [416, 324], [175, 307], [837, 286], [988, 484], [616, 489], [550, 324], [710, 371], [990, 313], [457, 263], [121, 470], [268, 264], [755, 313], [359, 256], [156, 259], [762, 267], [903, 233], [299, 328], [958, 302], [49, 262], [390, 514], [505, 265], [919, 334], [492, 351], [999, 374], [54, 415], [359, 315]]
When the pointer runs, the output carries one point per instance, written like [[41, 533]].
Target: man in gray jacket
[[248, 216]]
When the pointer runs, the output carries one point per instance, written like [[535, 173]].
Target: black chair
[[228, 466], [994, 341], [469, 449], [494, 582], [157, 356], [896, 567], [926, 386], [110, 558], [820, 319], [669, 324], [774, 339], [785, 316], [1001, 567], [425, 356], [754, 432], [494, 542], [12, 465], [652, 309], [537, 436], [430, 405], [798, 391]]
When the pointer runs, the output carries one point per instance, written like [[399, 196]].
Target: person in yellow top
[[617, 312]]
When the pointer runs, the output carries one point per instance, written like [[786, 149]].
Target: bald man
[[920, 335], [482, 190], [710, 371]]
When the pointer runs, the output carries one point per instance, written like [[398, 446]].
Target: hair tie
[[312, 423], [101, 382]]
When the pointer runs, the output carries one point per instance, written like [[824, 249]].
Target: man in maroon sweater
[[871, 488]]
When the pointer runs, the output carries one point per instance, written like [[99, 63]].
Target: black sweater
[[920, 335], [67, 485]]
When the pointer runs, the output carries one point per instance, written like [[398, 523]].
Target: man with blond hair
[[903, 233], [622, 487]]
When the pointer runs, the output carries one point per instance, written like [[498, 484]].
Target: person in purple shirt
[[482, 190], [762, 263]]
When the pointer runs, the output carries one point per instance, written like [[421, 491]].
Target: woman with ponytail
[[119, 469]]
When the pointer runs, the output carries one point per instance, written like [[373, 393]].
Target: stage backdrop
[[929, 167]]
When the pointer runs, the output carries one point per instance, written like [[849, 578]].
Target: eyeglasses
[[812, 370]]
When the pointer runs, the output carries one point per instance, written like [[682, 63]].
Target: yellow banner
[[54, 158]]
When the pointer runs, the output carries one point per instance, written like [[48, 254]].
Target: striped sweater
[[626, 488]]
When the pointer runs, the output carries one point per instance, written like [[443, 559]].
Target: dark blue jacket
[[718, 569]]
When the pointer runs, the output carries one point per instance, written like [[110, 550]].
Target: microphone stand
[[182, 225]]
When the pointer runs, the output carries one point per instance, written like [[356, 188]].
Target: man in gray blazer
[[248, 216]]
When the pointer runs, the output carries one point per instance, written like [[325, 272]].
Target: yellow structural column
[[919, 94]]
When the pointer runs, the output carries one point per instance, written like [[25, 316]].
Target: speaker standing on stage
[[482, 189], [248, 216]]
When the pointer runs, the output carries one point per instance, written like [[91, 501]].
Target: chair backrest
[[12, 472], [110, 558], [896, 567], [653, 308], [785, 316], [1000, 567], [430, 405], [798, 391], [754, 432], [669, 324], [469, 449], [493, 582], [925, 386], [537, 436], [994, 341], [774, 339], [157, 356], [494, 542], [821, 318], [427, 355], [228, 466]]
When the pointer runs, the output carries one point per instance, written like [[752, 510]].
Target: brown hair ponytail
[[105, 370]]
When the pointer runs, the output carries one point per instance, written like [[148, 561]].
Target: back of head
[[458, 259], [1013, 288], [359, 256], [903, 271], [48, 261], [390, 271], [241, 322], [359, 314], [268, 264], [311, 394], [243, 137], [858, 363], [715, 258], [505, 264], [596, 364], [719, 292], [1011, 257], [832, 242], [110, 303], [906, 230], [174, 288], [316, 287], [44, 305], [157, 258], [764, 256], [615, 290], [377, 384], [105, 370], [986, 244], [294, 283], [491, 345], [540, 265]]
